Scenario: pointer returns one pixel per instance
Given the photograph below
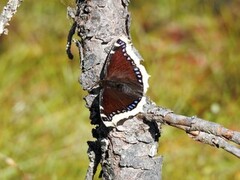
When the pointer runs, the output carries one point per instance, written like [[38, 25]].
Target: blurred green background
[[191, 50]]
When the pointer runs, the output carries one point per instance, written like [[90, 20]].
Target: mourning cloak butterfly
[[124, 81]]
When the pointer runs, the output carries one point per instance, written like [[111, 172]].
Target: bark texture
[[128, 151]]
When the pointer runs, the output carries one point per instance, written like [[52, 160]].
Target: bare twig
[[198, 129], [8, 11]]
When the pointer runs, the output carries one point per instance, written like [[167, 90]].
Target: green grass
[[191, 52]]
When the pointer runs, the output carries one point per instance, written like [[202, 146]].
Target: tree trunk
[[128, 151]]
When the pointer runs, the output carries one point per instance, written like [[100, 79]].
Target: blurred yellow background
[[191, 50]]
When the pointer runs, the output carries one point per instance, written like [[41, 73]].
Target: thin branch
[[198, 129], [8, 11]]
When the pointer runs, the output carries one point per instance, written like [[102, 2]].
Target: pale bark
[[7, 13]]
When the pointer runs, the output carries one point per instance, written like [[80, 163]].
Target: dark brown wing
[[122, 84], [114, 102], [120, 66]]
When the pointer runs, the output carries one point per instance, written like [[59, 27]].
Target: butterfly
[[123, 83]]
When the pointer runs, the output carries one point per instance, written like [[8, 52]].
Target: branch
[[198, 129], [8, 11], [128, 151]]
